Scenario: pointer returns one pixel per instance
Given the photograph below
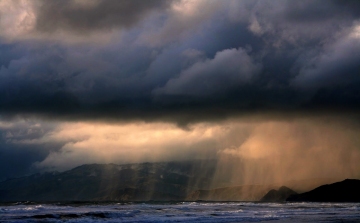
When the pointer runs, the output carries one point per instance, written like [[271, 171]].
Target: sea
[[196, 212]]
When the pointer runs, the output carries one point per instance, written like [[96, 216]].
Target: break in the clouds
[[262, 151], [180, 62]]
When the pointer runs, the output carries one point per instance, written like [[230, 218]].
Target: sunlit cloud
[[133, 142], [256, 151], [298, 150], [17, 18], [355, 33]]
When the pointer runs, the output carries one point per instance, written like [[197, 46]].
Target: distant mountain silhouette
[[278, 195], [257, 192], [105, 182], [344, 191], [186, 180], [305, 185]]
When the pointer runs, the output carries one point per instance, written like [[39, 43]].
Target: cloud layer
[[252, 151], [237, 56], [180, 62]]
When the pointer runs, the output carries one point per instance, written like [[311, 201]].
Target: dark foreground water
[[182, 212]]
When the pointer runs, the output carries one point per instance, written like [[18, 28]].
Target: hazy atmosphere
[[270, 88]]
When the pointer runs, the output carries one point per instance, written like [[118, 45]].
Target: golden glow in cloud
[[355, 33], [17, 18], [279, 151], [249, 152], [189, 7], [133, 142]]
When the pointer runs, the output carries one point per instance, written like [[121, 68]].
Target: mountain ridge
[[279, 195], [89, 182], [163, 181], [347, 190]]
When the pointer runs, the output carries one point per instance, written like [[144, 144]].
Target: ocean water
[[181, 212]]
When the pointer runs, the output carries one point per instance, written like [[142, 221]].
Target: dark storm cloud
[[87, 16], [240, 58], [20, 148], [229, 69], [318, 10], [336, 64]]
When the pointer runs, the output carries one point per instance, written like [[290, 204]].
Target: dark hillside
[[344, 191]]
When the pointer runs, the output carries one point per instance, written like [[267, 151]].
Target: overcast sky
[[113, 81]]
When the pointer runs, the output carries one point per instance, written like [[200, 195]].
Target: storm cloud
[[180, 62], [292, 57], [86, 16]]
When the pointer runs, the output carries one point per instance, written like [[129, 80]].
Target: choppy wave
[[181, 212]]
